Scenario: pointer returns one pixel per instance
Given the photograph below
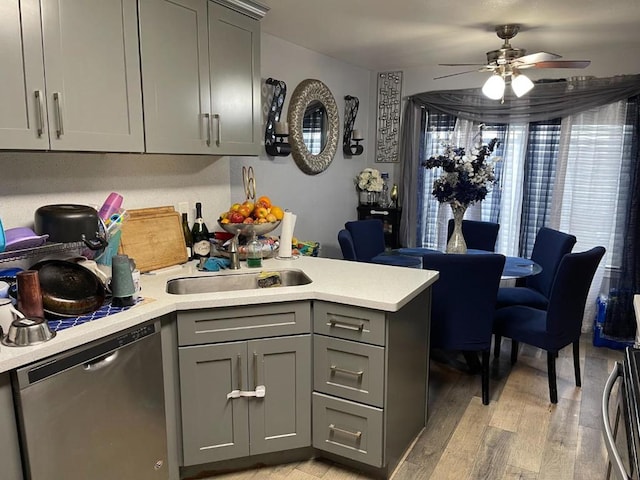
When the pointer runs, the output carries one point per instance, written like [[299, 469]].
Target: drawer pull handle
[[379, 212], [335, 369], [347, 326], [333, 428]]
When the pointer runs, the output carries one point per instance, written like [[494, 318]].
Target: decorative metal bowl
[[249, 229]]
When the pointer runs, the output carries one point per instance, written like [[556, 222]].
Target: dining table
[[514, 267]]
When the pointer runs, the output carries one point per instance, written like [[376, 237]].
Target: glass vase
[[456, 243], [366, 197]]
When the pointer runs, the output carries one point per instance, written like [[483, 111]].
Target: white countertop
[[379, 287]]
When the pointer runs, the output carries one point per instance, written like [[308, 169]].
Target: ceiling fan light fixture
[[494, 87], [521, 84]]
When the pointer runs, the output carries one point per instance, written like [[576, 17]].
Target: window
[[570, 174]]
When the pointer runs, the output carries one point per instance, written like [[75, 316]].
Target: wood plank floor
[[520, 435]]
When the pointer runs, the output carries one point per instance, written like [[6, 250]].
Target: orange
[[266, 201], [277, 212]]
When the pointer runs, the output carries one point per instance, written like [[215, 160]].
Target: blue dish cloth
[[215, 264]]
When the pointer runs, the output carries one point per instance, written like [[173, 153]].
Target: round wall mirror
[[313, 124]]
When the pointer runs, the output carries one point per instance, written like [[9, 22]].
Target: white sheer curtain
[[587, 184], [515, 147], [463, 135]]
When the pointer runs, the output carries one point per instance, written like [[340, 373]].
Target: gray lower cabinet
[[370, 380], [246, 397]]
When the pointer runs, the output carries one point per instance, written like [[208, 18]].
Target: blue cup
[[2, 239]]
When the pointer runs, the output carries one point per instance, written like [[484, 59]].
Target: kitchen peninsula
[[373, 318]]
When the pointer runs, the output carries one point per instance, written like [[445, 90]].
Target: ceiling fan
[[506, 63]]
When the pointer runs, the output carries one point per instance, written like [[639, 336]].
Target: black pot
[[68, 223]]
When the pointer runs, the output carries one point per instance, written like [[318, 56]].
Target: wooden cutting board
[[153, 238]]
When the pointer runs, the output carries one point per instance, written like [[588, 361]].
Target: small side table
[[390, 217]]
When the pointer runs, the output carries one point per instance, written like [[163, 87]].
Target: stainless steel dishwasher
[[95, 412]]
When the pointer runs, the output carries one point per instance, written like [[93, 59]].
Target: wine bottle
[[200, 236], [188, 239]]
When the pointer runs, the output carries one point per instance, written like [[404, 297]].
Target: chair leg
[[497, 343], [485, 377], [514, 351], [576, 362], [551, 372], [472, 361]]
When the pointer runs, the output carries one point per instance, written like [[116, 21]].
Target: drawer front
[[196, 327], [349, 322], [347, 429], [350, 370]]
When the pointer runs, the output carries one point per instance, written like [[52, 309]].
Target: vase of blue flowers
[[466, 179]]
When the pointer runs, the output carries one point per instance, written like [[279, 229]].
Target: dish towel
[[215, 264]]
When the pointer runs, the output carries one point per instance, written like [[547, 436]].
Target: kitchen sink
[[231, 282]]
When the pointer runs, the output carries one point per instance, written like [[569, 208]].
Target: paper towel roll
[[288, 224]]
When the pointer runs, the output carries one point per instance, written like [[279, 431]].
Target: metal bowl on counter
[[249, 229], [24, 332]]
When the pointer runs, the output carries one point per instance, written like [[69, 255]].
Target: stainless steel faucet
[[234, 259]]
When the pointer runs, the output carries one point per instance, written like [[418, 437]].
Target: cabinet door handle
[[207, 117], [335, 369], [255, 371], [333, 323], [379, 212], [357, 435], [219, 132], [58, 114], [39, 113], [239, 362]]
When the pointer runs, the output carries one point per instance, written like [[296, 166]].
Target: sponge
[[269, 279]]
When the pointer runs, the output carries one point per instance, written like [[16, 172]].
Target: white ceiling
[[399, 34]]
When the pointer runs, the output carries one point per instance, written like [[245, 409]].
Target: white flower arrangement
[[369, 180]]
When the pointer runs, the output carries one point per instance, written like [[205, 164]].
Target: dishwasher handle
[[100, 362], [609, 439]]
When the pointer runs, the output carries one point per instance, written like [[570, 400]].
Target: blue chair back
[[477, 235], [346, 245], [463, 299], [549, 248], [569, 295], [368, 238]]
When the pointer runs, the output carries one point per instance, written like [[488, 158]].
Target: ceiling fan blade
[[458, 73], [537, 57], [563, 64]]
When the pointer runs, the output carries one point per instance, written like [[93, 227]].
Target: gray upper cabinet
[[22, 92], [200, 77], [73, 76]]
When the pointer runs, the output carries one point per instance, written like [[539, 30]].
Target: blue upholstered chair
[[549, 248], [477, 235], [560, 324], [463, 304], [346, 245], [367, 238]]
